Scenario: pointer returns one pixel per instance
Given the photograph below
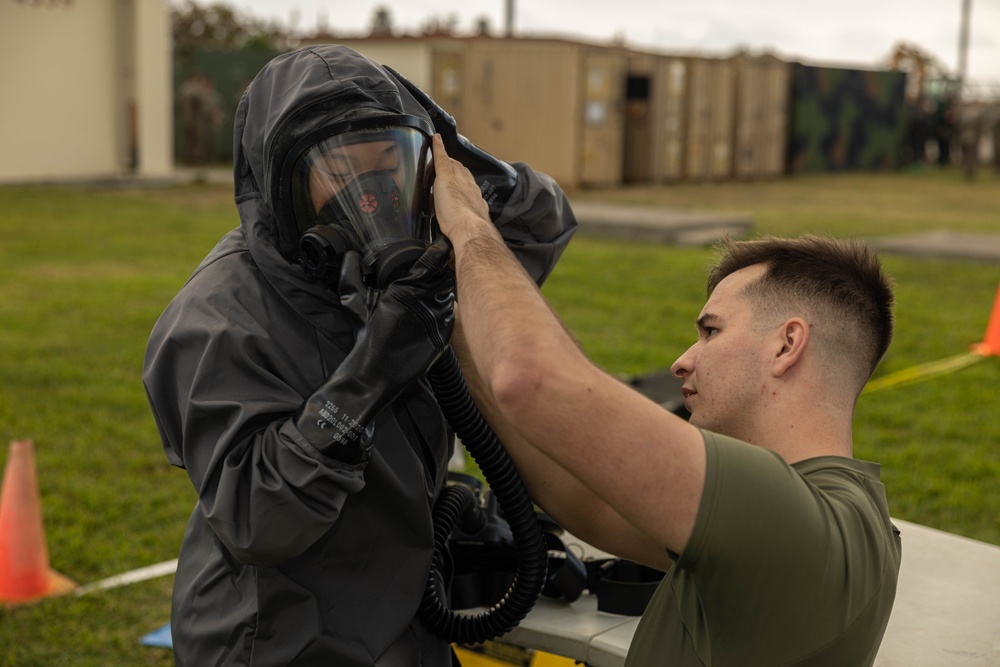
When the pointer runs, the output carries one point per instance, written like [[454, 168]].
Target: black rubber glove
[[403, 330], [496, 178]]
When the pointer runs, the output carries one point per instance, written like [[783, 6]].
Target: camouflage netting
[[845, 119]]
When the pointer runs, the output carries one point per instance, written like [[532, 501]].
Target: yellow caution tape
[[498, 654], [923, 372]]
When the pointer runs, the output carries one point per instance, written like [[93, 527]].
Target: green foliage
[[219, 26], [85, 273]]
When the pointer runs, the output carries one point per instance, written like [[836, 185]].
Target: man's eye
[[708, 331]]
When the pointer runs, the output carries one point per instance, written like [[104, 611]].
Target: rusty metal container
[[762, 89], [654, 118], [708, 140], [557, 105]]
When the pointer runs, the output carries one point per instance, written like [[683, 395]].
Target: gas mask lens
[[367, 186]]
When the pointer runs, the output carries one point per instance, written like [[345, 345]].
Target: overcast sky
[[858, 33]]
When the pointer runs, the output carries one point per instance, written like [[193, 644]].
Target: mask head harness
[[362, 185]]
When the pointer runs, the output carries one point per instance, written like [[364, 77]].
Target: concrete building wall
[[85, 89], [153, 88]]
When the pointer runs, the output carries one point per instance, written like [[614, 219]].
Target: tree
[[220, 27], [382, 22]]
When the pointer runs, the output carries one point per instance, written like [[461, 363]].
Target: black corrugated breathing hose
[[456, 403]]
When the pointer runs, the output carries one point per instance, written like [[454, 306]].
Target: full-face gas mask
[[364, 185]]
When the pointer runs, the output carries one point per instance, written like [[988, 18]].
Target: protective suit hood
[[294, 96]]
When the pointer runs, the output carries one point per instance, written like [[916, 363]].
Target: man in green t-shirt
[[777, 544]]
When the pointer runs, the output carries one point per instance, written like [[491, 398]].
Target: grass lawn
[[85, 273]]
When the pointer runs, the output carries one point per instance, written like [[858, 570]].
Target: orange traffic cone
[[24, 559], [991, 342]]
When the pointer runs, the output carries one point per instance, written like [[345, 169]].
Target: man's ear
[[793, 339]]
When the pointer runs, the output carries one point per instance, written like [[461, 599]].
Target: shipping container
[[670, 98], [447, 78], [603, 101], [557, 105], [637, 155], [708, 139], [654, 118], [521, 103], [762, 85], [413, 57], [778, 86]]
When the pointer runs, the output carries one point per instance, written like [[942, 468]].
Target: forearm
[[504, 316], [569, 502], [548, 484]]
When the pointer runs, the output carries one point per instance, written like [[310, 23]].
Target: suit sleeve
[[223, 382]]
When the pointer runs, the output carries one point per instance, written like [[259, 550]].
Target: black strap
[[621, 586]]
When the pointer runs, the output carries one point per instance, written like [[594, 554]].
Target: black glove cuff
[[333, 431], [357, 453]]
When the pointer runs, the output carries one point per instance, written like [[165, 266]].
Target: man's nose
[[684, 365]]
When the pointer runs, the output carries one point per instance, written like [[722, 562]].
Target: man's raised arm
[[642, 461]]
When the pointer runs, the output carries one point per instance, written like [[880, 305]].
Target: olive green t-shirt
[[787, 565]]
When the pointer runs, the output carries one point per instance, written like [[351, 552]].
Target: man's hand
[[461, 211]]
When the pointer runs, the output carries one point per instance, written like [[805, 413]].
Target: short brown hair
[[842, 278]]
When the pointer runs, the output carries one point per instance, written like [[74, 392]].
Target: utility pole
[[963, 44], [510, 17]]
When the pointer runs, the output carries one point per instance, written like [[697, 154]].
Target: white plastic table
[[946, 614]]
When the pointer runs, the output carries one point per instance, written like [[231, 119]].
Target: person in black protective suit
[[311, 540]]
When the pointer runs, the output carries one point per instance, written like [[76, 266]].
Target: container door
[[603, 105]]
